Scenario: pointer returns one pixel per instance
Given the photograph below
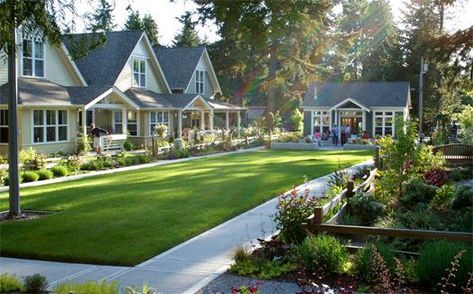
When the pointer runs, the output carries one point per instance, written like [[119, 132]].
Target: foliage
[[160, 131], [436, 177], [188, 36], [83, 145], [296, 119], [250, 289], [128, 145], [142, 158], [45, 174], [323, 253], [87, 287], [263, 268], [73, 163], [134, 22], [10, 283], [366, 207], [100, 163], [339, 177], [35, 283], [293, 210], [293, 137], [3, 176], [427, 160], [466, 122], [463, 197], [443, 197], [102, 19], [145, 290], [416, 191], [26, 155], [419, 218], [364, 261], [176, 153], [361, 172], [29, 176], [435, 258], [60, 171]]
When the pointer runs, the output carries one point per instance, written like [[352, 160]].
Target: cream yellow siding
[[124, 79], [3, 69], [57, 68]]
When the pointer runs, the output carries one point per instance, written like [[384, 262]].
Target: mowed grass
[[128, 217]]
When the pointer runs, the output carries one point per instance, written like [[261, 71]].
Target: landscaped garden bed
[[384, 233]]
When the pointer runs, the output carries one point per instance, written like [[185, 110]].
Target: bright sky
[[165, 12]]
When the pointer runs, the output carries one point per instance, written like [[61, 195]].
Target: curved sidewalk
[[183, 269]]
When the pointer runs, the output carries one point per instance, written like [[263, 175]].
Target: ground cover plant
[[127, 217]]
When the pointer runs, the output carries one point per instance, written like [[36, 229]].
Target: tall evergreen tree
[[102, 19], [187, 37], [134, 22]]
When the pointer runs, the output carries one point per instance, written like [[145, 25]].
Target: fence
[[456, 153]]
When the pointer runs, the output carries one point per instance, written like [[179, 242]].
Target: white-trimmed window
[[3, 126], [156, 118], [50, 126], [139, 72], [132, 123], [321, 121], [33, 57], [118, 122], [384, 123], [199, 81]]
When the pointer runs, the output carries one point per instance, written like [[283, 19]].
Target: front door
[[355, 123]]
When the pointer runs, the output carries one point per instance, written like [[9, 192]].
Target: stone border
[[294, 146]]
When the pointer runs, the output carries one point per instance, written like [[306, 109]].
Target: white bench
[[113, 142]]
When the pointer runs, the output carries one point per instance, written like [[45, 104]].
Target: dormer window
[[33, 57], [139, 72], [199, 82]]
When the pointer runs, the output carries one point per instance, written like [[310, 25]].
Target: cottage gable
[[203, 80]]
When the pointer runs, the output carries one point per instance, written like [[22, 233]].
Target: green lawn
[[128, 217]]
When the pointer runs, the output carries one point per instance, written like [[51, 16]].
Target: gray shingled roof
[[84, 95], [178, 64], [101, 66], [219, 105], [33, 91], [369, 94], [150, 99]]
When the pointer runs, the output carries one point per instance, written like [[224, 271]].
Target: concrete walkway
[[183, 269]]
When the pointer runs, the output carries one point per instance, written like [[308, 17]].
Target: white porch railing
[[113, 142]]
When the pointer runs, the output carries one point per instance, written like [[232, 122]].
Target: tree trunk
[[271, 101], [14, 193]]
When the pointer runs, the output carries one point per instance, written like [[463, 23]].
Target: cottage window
[[118, 122], [50, 126], [33, 57], [139, 72], [132, 123], [156, 118], [3, 126], [199, 81], [384, 123], [321, 121]]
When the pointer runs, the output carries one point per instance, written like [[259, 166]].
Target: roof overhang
[[352, 101], [119, 93], [197, 97]]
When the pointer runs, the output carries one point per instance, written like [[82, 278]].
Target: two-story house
[[121, 86]]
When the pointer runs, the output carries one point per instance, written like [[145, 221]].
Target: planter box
[[294, 146], [359, 147]]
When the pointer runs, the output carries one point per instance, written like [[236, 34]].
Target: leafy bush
[[361, 172], [436, 177], [35, 283], [292, 211], [419, 218], [83, 145], [463, 197], [364, 260], [74, 163], [323, 252], [10, 283], [45, 174], [416, 191], [29, 176], [176, 153], [263, 268], [32, 160], [293, 137], [128, 145], [443, 197], [457, 175], [366, 207], [143, 158], [3, 176], [26, 155], [59, 171], [435, 257], [87, 287]]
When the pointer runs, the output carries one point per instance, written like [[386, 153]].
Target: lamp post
[[423, 69]]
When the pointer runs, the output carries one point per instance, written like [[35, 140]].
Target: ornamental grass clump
[[10, 283], [45, 174]]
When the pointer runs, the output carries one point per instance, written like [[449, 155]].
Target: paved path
[[183, 269]]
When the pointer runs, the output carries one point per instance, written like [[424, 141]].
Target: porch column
[[211, 119], [84, 122], [227, 120], [202, 120], [179, 124], [311, 131], [238, 123], [363, 120], [124, 121]]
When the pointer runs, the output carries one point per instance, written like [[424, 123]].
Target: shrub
[[364, 260], [323, 252], [240, 253], [3, 176], [263, 268], [30, 176], [87, 287], [74, 163], [128, 145], [45, 174], [435, 257], [457, 175], [122, 161], [436, 177], [59, 171], [10, 283], [83, 145], [416, 191], [35, 283], [176, 153], [463, 197], [292, 211], [26, 155], [419, 218], [366, 207], [443, 197], [143, 158]]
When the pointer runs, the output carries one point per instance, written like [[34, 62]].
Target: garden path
[[185, 268]]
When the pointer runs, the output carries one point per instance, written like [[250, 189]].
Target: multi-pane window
[[118, 122], [156, 118], [384, 123], [321, 121], [199, 81], [49, 126], [3, 126], [139, 72], [132, 123], [33, 57]]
